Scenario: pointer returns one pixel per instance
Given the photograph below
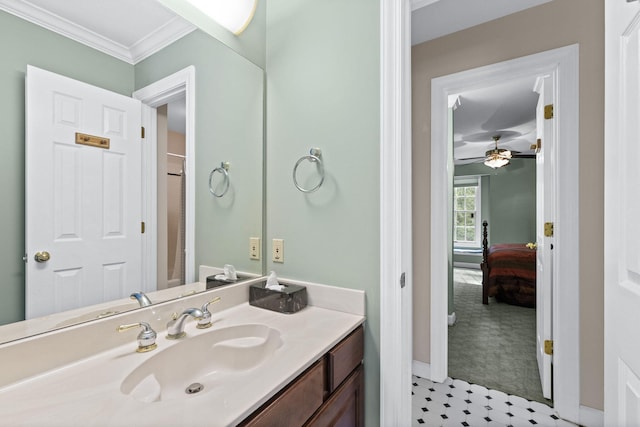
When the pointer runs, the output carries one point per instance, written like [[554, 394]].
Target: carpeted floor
[[493, 345]]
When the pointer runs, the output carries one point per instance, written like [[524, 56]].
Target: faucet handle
[[205, 321], [205, 307], [146, 337]]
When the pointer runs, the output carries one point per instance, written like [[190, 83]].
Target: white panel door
[[622, 213], [83, 203], [545, 212]]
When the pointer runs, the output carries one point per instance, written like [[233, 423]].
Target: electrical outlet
[[254, 248], [277, 250]]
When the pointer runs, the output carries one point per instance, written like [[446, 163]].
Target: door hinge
[[537, 146], [402, 280], [548, 111], [548, 347], [548, 229], [142, 227], [142, 131]]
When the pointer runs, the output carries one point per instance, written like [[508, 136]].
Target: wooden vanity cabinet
[[329, 393]]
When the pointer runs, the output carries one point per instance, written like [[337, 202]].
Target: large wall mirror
[[229, 127]]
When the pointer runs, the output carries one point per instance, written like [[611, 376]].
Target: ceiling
[[431, 19], [507, 110]]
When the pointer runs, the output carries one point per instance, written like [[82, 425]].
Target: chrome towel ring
[[224, 170], [314, 156]]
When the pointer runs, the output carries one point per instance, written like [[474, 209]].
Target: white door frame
[[395, 213], [562, 64], [177, 85]]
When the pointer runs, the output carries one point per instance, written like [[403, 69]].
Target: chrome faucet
[[205, 321], [142, 299], [175, 327]]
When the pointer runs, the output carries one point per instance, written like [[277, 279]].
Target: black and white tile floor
[[458, 403]]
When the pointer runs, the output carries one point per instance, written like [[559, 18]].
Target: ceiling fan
[[499, 157]]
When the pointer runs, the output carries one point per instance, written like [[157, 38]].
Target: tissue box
[[291, 299], [212, 282]]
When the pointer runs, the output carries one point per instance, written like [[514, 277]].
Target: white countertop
[[87, 392]]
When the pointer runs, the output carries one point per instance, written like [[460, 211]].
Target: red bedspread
[[512, 273]]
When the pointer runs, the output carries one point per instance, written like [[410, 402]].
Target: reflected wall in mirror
[[228, 127]]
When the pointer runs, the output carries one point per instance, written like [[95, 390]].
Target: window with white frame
[[466, 211]]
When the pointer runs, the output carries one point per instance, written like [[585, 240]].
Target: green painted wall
[[24, 43], [323, 87], [511, 200], [229, 127]]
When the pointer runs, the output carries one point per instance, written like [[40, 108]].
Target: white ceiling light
[[234, 15]]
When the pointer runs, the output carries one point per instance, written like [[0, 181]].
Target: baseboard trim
[[421, 369], [451, 319], [590, 417], [473, 265]]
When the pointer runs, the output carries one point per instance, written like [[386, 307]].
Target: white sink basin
[[202, 364]]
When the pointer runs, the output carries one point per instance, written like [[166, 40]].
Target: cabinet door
[[345, 357], [293, 406], [345, 407]]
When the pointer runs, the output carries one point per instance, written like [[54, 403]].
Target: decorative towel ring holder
[[224, 170], [314, 156]]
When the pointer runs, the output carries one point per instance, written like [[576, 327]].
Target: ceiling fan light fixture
[[498, 157], [496, 161], [501, 152]]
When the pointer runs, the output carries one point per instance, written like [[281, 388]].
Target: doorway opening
[[171, 96], [493, 344], [172, 173], [562, 66]]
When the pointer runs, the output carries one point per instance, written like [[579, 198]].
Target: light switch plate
[[254, 248], [277, 249]]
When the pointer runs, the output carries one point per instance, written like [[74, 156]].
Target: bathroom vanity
[[253, 367]]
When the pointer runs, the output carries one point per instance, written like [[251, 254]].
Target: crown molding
[[160, 38], [165, 35]]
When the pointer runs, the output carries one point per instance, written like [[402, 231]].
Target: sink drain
[[194, 388]]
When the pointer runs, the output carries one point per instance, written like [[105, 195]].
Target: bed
[[508, 272]]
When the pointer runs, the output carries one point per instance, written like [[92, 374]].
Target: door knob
[[42, 256]]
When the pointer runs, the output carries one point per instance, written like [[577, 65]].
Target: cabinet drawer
[[344, 358], [293, 406]]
